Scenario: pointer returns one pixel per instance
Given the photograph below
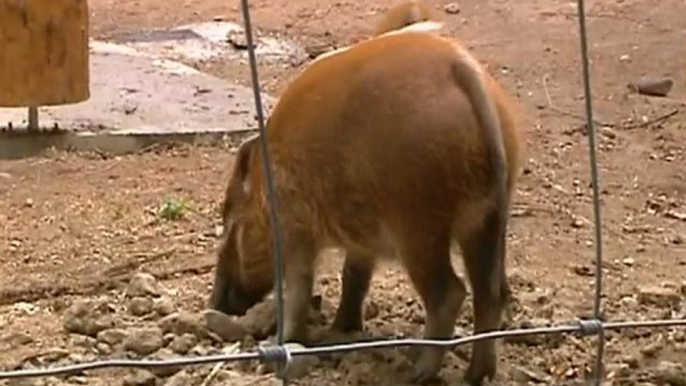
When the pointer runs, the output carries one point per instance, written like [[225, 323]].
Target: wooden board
[[43, 52]]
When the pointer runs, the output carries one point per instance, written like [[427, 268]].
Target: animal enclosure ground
[[78, 226]]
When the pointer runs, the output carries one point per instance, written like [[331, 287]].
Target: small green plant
[[174, 208]]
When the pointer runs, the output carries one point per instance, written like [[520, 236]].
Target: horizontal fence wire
[[283, 355]]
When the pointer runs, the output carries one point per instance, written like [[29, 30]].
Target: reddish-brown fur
[[398, 146], [402, 15]]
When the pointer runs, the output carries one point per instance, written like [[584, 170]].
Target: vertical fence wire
[[281, 355], [271, 196], [583, 39]]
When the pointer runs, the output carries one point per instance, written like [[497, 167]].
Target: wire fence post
[[583, 39], [271, 196]]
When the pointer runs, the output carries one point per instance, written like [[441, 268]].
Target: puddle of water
[[156, 35], [207, 41], [215, 31]]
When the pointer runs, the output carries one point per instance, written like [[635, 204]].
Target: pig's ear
[[243, 160], [239, 183]]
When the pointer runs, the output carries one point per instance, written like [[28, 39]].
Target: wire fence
[[282, 355]]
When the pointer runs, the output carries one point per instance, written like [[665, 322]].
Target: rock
[[103, 348], [452, 8], [200, 350], [314, 50], [670, 373], [27, 382], [617, 370], [632, 361], [144, 341], [608, 132], [163, 306], [260, 320], [140, 378], [168, 338], [140, 306], [78, 380], [629, 302], [651, 350], [165, 354], [583, 270], [17, 339], [183, 344], [86, 317], [229, 377], [522, 375], [182, 378], [83, 341], [577, 223], [143, 284], [180, 323], [652, 86], [112, 336], [224, 326], [238, 40], [658, 296], [53, 355]]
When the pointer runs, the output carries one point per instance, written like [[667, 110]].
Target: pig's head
[[244, 273]]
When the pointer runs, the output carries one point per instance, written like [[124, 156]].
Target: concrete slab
[[139, 93], [136, 90]]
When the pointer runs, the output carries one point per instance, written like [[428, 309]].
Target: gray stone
[[659, 296], [103, 348], [238, 40], [140, 378], [83, 341], [182, 378], [144, 341], [143, 284], [523, 375], [183, 344], [652, 86], [86, 317], [608, 132], [27, 382], [669, 373], [618, 370], [112, 336], [452, 8], [17, 339], [165, 354], [163, 306], [140, 306]]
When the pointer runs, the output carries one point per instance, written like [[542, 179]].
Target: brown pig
[[399, 146]]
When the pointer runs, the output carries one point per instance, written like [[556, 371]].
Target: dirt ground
[[80, 225]]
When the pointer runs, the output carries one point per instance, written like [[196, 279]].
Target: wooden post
[[43, 53], [33, 118]]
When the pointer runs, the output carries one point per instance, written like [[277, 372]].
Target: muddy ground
[[78, 227]]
